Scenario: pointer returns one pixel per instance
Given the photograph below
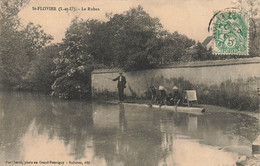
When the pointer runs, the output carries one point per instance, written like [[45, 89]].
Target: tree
[[130, 35], [39, 77], [174, 47], [202, 53], [19, 50], [9, 24], [34, 39], [18, 45], [139, 41], [252, 7], [9, 14], [254, 38], [74, 63]]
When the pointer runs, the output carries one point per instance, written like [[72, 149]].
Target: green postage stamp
[[230, 33]]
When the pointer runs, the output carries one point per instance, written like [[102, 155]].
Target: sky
[[189, 17]]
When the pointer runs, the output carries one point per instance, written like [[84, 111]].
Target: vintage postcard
[[129, 82]]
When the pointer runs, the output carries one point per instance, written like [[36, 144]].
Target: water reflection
[[40, 128], [71, 122], [130, 143], [122, 119], [14, 124]]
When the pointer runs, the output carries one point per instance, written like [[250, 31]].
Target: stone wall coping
[[192, 64]]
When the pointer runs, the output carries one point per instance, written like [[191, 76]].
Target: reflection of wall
[[209, 73], [1, 77], [192, 123], [117, 117], [134, 138], [103, 119]]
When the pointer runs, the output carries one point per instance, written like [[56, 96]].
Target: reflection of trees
[[71, 122], [17, 115]]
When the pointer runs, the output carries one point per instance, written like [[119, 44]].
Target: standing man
[[121, 86]]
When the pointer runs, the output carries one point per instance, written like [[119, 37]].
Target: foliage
[[18, 45], [73, 66], [34, 39], [173, 47], [104, 95], [39, 77], [229, 94], [139, 42], [251, 6], [132, 33], [254, 37], [132, 40], [9, 10], [9, 23], [202, 53]]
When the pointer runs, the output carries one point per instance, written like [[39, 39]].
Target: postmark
[[230, 33]]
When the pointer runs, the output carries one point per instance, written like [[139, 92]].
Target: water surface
[[49, 131]]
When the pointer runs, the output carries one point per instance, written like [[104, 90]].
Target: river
[[41, 130]]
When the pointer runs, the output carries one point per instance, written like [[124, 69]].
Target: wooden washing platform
[[190, 110], [180, 109]]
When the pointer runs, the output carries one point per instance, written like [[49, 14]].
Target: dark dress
[[162, 97], [121, 86], [169, 100], [177, 98]]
